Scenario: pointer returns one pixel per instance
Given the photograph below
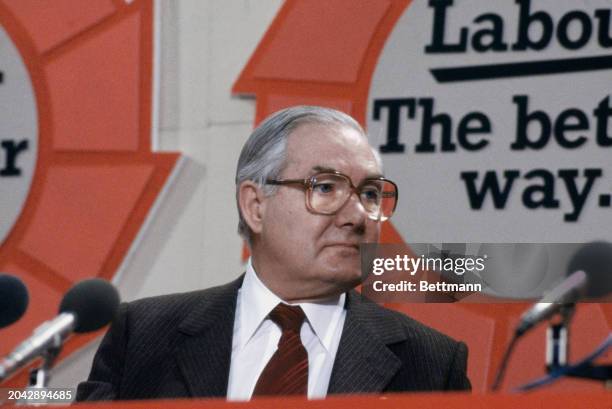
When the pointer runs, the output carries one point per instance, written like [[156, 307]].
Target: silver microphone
[[88, 306], [51, 334], [570, 290]]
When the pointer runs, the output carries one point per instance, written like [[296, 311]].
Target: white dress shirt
[[256, 337]]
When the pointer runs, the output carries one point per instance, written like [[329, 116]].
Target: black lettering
[[603, 35], [11, 150], [563, 30], [439, 24], [483, 125], [490, 185], [522, 138], [429, 120], [495, 34], [603, 113], [394, 106], [577, 197], [524, 41], [562, 125], [546, 191]]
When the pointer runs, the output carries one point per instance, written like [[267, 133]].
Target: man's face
[[303, 255]]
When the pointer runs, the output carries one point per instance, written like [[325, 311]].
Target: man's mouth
[[347, 246]]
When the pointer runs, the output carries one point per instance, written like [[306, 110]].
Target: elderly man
[[310, 190]]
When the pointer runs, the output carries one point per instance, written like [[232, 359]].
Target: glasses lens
[[329, 192], [378, 198]]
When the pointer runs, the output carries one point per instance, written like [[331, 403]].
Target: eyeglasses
[[328, 192]]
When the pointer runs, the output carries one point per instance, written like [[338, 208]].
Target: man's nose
[[352, 213]]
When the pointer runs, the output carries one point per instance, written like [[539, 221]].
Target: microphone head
[[94, 302], [13, 299], [595, 259]]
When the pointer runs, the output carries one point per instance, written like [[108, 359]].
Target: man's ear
[[251, 200]]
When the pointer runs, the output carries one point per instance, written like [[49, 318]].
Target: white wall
[[190, 241]]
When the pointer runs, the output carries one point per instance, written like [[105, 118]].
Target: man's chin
[[344, 280]]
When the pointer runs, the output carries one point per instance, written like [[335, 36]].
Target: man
[[309, 190]]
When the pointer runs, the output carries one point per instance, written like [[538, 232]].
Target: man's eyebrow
[[319, 168]]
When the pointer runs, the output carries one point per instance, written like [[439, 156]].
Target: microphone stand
[[583, 369], [557, 340], [557, 348], [39, 377]]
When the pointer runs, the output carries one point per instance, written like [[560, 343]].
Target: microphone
[[13, 299], [87, 306], [568, 291], [595, 259], [589, 275]]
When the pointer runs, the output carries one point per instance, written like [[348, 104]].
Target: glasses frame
[[308, 183]]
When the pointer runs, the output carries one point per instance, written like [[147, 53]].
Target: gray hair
[[264, 153]]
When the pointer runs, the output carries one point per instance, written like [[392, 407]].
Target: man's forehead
[[375, 173], [329, 146], [328, 130], [328, 138], [309, 165]]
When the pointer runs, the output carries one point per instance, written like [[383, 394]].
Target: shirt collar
[[257, 301]]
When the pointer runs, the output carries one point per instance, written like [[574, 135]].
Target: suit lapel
[[364, 363], [205, 349]]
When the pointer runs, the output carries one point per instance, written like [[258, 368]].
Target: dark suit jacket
[[180, 346]]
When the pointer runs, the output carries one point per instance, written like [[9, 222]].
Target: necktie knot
[[288, 317]]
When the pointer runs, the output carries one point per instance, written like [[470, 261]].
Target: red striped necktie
[[287, 371]]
